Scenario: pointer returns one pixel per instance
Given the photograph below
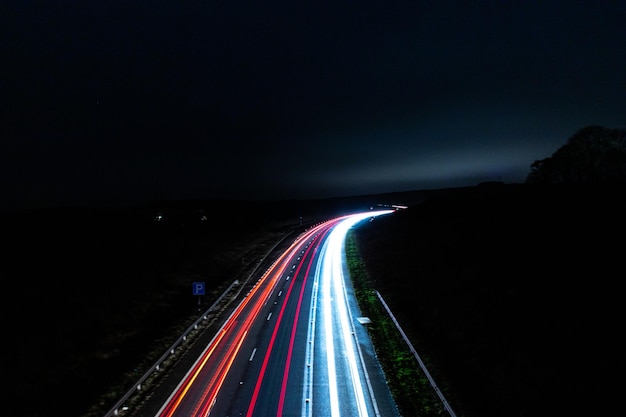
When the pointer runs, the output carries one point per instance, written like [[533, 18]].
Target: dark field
[[89, 293], [512, 293]]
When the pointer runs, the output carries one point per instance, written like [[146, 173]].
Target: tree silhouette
[[594, 156]]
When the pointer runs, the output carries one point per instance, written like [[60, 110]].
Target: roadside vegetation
[[411, 389], [483, 285]]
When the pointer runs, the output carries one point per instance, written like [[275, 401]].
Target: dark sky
[[109, 102]]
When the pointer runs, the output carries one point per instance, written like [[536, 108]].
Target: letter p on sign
[[198, 288]]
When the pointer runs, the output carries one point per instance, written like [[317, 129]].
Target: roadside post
[[198, 289]]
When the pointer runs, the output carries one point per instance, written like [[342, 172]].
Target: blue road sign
[[198, 288]]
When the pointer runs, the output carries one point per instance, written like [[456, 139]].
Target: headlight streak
[[328, 330], [341, 306], [333, 290]]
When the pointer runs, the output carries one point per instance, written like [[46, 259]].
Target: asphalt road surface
[[295, 346]]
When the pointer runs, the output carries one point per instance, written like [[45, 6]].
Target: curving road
[[294, 346]]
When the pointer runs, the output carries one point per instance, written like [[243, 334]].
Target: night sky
[[106, 102]]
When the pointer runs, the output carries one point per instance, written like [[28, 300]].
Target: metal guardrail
[[115, 410], [447, 406]]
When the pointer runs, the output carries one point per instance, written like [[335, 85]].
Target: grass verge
[[409, 386]]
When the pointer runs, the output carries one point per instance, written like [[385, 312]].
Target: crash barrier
[[417, 356]]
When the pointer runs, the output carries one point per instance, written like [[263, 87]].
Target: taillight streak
[[327, 226], [209, 394], [281, 400]]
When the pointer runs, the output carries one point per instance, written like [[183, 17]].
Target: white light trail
[[334, 297], [328, 328], [308, 372]]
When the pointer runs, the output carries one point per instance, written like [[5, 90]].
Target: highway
[[294, 346]]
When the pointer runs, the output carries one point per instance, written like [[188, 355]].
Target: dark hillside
[[513, 293], [90, 293]]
